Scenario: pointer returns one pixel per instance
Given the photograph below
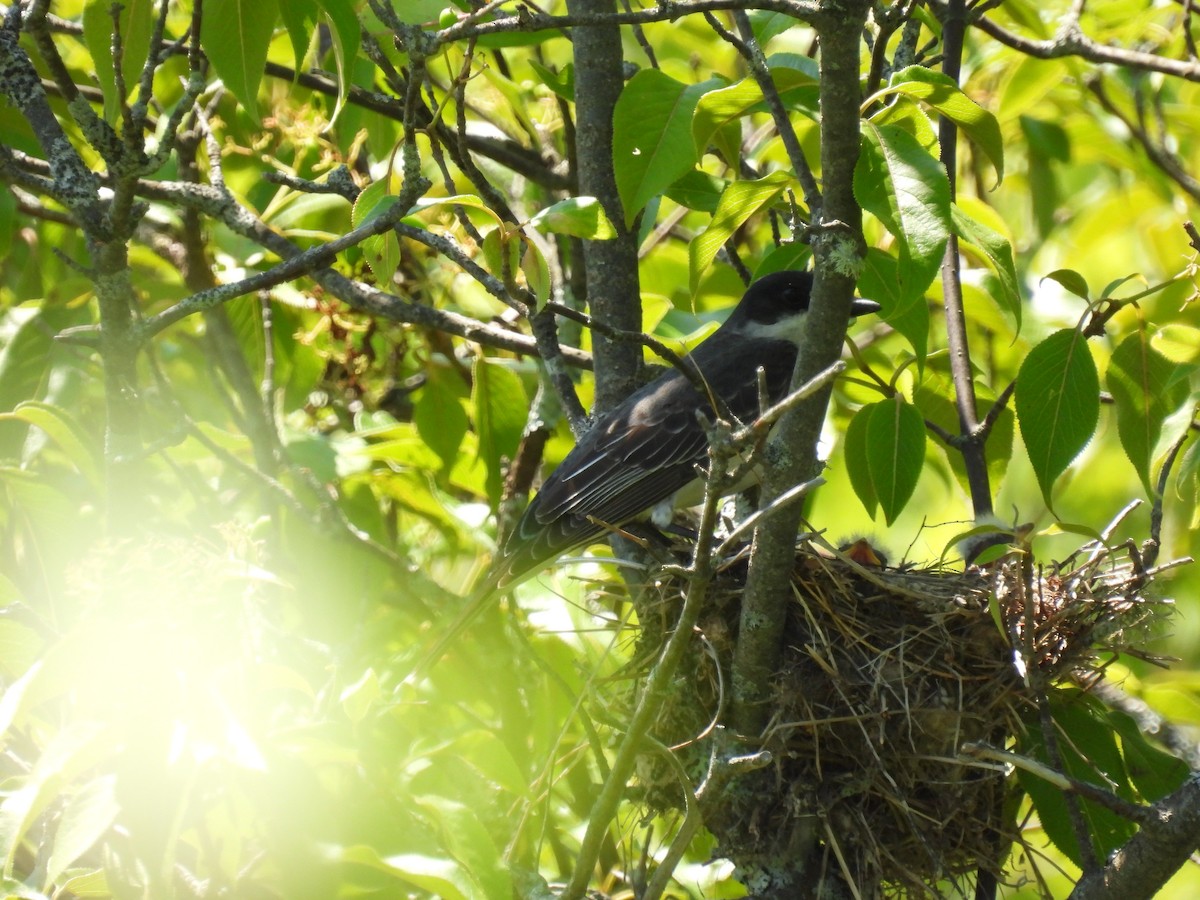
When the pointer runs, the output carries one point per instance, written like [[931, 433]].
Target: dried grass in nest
[[887, 674]]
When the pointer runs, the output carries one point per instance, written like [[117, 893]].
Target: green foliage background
[[212, 697]]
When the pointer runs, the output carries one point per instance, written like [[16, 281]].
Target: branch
[[838, 252], [972, 446], [1161, 847], [528, 19], [1071, 41]]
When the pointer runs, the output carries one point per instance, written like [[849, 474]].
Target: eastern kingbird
[[642, 456]]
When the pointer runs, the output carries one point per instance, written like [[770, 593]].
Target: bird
[[647, 454]]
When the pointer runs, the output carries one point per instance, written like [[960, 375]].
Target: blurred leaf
[[8, 221], [1057, 403], [537, 272], [468, 840], [1116, 283], [561, 82], [235, 36], [697, 190], [651, 123], [767, 24], [581, 217], [346, 32], [136, 21], [467, 201], [907, 313], [1178, 342], [89, 812], [66, 432], [71, 750], [20, 645], [358, 698], [940, 92], [439, 416], [440, 877], [501, 406], [739, 201], [794, 77], [998, 252], [25, 342], [1146, 389], [1071, 280]]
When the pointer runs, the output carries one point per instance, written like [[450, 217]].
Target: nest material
[[887, 674]]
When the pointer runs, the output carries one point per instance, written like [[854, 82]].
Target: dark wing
[[640, 453], [634, 457]]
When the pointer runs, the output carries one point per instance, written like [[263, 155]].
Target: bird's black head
[[776, 304], [773, 299]]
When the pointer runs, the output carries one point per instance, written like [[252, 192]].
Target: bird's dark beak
[[860, 307]]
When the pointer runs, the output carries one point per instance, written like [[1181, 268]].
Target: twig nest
[[886, 674]]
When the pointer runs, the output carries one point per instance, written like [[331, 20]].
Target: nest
[[888, 675]]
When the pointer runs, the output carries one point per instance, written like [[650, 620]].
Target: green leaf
[[739, 202], [651, 123], [65, 431], [439, 416], [1178, 342], [381, 251], [235, 36], [913, 119], [795, 78], [1146, 389], [470, 201], [697, 190], [767, 25], [902, 185], [1154, 772], [1117, 282], [998, 252], [885, 452], [562, 82], [581, 217], [501, 407], [1071, 280], [941, 93], [137, 25], [895, 453], [346, 33], [300, 20], [1091, 755], [908, 314], [1057, 403], [858, 465]]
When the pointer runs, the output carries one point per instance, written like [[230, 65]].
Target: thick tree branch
[[611, 266], [1160, 848], [792, 450]]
